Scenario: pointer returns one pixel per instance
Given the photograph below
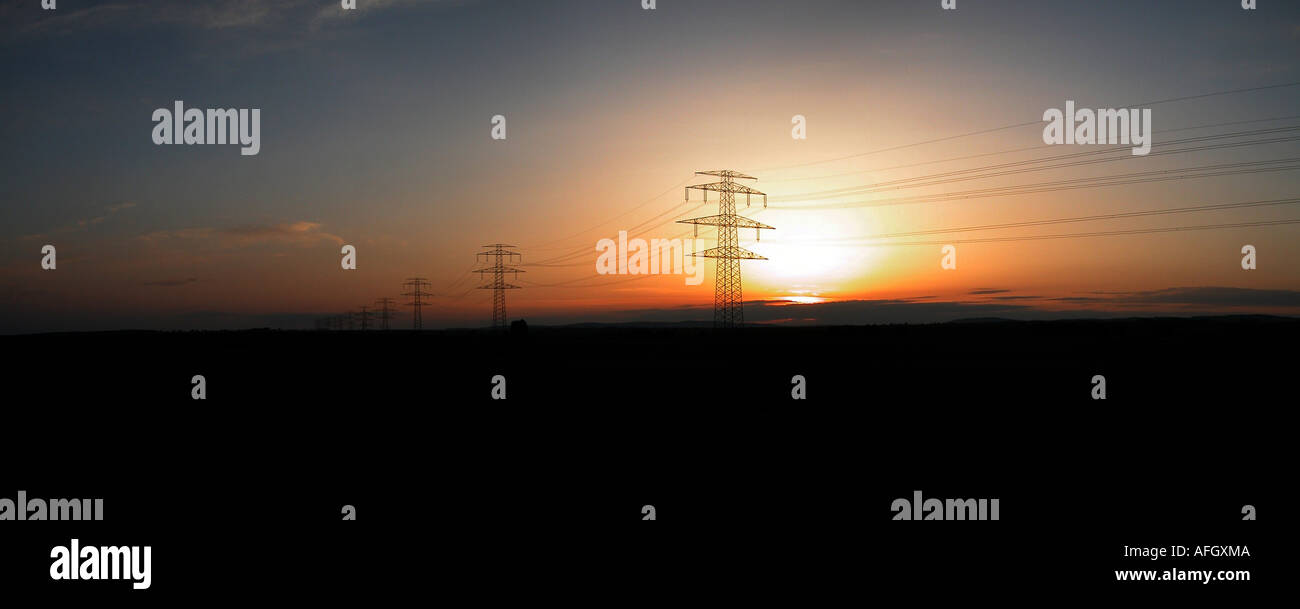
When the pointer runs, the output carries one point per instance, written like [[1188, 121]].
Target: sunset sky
[[375, 132]]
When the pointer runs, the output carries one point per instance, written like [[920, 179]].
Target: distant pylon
[[728, 303], [386, 311], [500, 255], [364, 316], [417, 293]]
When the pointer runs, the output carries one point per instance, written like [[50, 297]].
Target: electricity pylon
[[728, 305], [385, 311], [416, 285], [364, 316], [500, 255]]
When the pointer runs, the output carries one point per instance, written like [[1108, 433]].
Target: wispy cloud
[[116, 207], [1213, 296], [208, 14], [302, 234], [171, 283], [83, 223]]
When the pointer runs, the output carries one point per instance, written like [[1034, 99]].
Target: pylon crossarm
[[724, 220], [732, 187], [728, 252], [725, 173]]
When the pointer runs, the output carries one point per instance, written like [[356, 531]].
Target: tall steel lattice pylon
[[416, 286], [385, 311], [364, 316], [728, 304], [500, 255]]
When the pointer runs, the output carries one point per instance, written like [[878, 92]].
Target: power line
[[560, 264], [1014, 150], [1072, 184], [459, 279], [1139, 231], [542, 245], [567, 284], [949, 177], [464, 293], [561, 261], [1026, 124], [1114, 216], [646, 225]]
